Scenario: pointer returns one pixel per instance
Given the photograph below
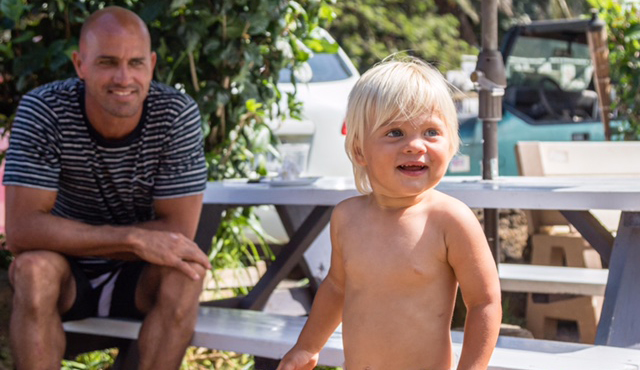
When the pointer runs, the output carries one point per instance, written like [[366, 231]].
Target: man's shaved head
[[113, 19], [115, 61]]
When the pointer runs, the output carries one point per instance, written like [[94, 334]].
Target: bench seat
[[552, 279], [271, 336]]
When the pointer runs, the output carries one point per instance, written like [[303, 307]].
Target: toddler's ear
[[359, 156]]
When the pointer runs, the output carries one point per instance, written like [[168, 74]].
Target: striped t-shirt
[[101, 181]]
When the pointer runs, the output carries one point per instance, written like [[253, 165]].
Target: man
[[104, 178]]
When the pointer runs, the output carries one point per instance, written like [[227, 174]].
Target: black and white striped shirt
[[100, 181]]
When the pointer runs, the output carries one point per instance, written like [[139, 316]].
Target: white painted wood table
[[305, 210]]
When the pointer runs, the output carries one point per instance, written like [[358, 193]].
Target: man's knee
[[169, 287], [173, 278], [37, 277], [38, 267], [181, 289]]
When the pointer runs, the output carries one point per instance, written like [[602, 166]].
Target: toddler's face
[[407, 157]]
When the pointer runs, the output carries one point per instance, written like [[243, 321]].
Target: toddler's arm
[[475, 269], [325, 315]]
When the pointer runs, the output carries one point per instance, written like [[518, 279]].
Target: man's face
[[117, 67]]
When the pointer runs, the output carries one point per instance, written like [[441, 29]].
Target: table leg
[[210, 218], [287, 259], [620, 319], [592, 230], [292, 217]]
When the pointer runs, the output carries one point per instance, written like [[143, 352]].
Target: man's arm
[[164, 241], [472, 262]]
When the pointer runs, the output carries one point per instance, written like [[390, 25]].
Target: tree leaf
[[175, 4], [25, 36], [258, 24], [252, 105], [6, 50], [12, 9], [632, 34], [151, 10]]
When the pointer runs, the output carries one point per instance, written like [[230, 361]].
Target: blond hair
[[396, 89]]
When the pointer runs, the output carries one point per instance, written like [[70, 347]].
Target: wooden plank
[[552, 279]]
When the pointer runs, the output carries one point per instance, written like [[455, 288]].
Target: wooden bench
[[552, 279], [271, 336]]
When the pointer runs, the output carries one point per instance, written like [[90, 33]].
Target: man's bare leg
[[171, 299], [44, 287]]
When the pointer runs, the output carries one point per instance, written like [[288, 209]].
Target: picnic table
[[305, 209]]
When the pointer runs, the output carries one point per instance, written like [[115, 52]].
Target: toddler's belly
[[381, 341]]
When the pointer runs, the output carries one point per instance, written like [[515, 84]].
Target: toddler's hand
[[298, 360]]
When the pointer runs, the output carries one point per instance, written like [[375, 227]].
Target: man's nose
[[122, 75]]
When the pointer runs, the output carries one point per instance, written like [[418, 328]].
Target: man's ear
[[77, 63], [154, 58]]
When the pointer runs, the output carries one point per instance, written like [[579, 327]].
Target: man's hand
[[298, 359], [170, 249]]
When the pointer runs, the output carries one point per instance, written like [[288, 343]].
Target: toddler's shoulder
[[349, 207], [450, 206], [453, 214], [350, 212]]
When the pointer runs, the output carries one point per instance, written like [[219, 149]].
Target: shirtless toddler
[[400, 250]]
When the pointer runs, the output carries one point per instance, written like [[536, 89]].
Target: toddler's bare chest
[[394, 254]]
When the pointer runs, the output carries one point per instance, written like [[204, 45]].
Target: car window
[[325, 67], [566, 63]]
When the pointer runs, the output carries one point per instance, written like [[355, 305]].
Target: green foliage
[[549, 9], [5, 259], [96, 360], [623, 28], [227, 55], [439, 31], [203, 358], [370, 30], [233, 232]]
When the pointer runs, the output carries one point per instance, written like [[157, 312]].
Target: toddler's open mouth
[[412, 167]]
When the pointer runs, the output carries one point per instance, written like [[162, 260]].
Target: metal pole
[[490, 78], [599, 49]]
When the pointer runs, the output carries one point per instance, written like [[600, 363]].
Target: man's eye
[[136, 63], [394, 133]]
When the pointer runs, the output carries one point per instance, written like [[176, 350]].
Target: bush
[[623, 28]]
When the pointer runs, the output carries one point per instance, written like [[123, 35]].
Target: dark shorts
[[111, 294]]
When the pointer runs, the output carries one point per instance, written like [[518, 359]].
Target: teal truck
[[550, 94]]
